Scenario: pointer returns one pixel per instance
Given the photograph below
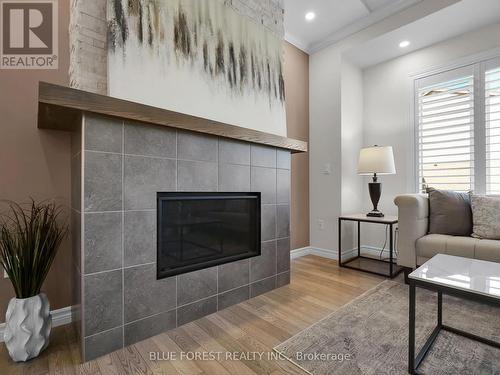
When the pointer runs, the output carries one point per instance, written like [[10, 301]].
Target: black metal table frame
[[415, 361], [345, 264]]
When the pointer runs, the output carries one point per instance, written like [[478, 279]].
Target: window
[[492, 119], [457, 120], [446, 134]]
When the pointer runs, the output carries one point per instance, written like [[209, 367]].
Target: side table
[[370, 264]]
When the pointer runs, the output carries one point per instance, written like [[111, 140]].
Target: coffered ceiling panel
[[333, 18]]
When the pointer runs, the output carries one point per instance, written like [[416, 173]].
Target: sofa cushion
[[486, 217], [449, 213], [461, 246], [433, 244], [430, 245], [488, 250], [467, 247]]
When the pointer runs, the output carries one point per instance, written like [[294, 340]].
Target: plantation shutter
[[492, 122], [445, 118]]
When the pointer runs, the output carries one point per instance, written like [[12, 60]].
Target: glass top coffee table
[[472, 279]]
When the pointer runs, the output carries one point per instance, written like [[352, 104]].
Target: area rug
[[370, 336]]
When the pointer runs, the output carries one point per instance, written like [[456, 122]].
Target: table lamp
[[373, 161]]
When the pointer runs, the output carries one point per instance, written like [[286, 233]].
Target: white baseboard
[[300, 252], [303, 251], [60, 317], [333, 254]]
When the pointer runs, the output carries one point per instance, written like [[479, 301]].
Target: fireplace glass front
[[200, 230]]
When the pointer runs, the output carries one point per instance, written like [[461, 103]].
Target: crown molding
[[297, 43], [361, 24]]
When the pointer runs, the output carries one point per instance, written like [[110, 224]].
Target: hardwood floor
[[318, 287]]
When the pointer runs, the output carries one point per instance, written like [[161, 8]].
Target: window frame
[[485, 66], [476, 65]]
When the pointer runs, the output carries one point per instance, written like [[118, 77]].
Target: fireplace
[[123, 291], [201, 230]]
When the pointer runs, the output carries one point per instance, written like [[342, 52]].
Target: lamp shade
[[376, 159]]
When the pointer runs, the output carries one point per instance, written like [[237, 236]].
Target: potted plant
[[30, 236]]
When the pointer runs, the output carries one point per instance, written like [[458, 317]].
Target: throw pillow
[[486, 217], [449, 212]]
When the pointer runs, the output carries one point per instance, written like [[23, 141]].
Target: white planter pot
[[27, 327]]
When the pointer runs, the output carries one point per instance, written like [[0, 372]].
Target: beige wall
[[35, 163], [297, 119]]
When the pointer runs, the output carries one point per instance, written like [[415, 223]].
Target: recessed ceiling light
[[404, 44], [310, 16]]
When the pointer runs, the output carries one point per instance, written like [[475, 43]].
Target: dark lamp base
[[375, 214], [375, 189]]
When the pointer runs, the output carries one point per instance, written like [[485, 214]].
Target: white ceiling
[[335, 19], [449, 22]]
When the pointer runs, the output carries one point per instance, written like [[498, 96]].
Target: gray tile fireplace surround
[[117, 169]]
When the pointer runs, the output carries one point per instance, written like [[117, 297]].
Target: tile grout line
[[276, 196], [176, 189], [149, 316], [176, 302], [118, 269], [117, 212], [276, 216], [105, 331], [217, 268], [176, 161], [167, 158], [250, 260], [198, 300], [82, 238], [250, 271], [123, 234], [238, 287]]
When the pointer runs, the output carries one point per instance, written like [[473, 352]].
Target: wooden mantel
[[61, 107]]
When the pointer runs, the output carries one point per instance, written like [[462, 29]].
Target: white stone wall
[[88, 36], [266, 12], [88, 53]]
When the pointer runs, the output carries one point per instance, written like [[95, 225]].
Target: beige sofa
[[415, 246]]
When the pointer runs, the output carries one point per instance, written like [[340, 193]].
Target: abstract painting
[[199, 57]]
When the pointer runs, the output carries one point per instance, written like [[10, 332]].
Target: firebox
[[198, 230]]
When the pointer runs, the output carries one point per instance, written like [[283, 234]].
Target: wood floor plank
[[7, 366], [261, 323], [250, 328], [167, 345], [74, 348], [294, 315], [39, 367], [89, 368], [132, 362], [227, 327], [210, 345], [318, 287], [157, 361], [60, 363], [232, 344], [109, 365], [274, 317], [187, 344]]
